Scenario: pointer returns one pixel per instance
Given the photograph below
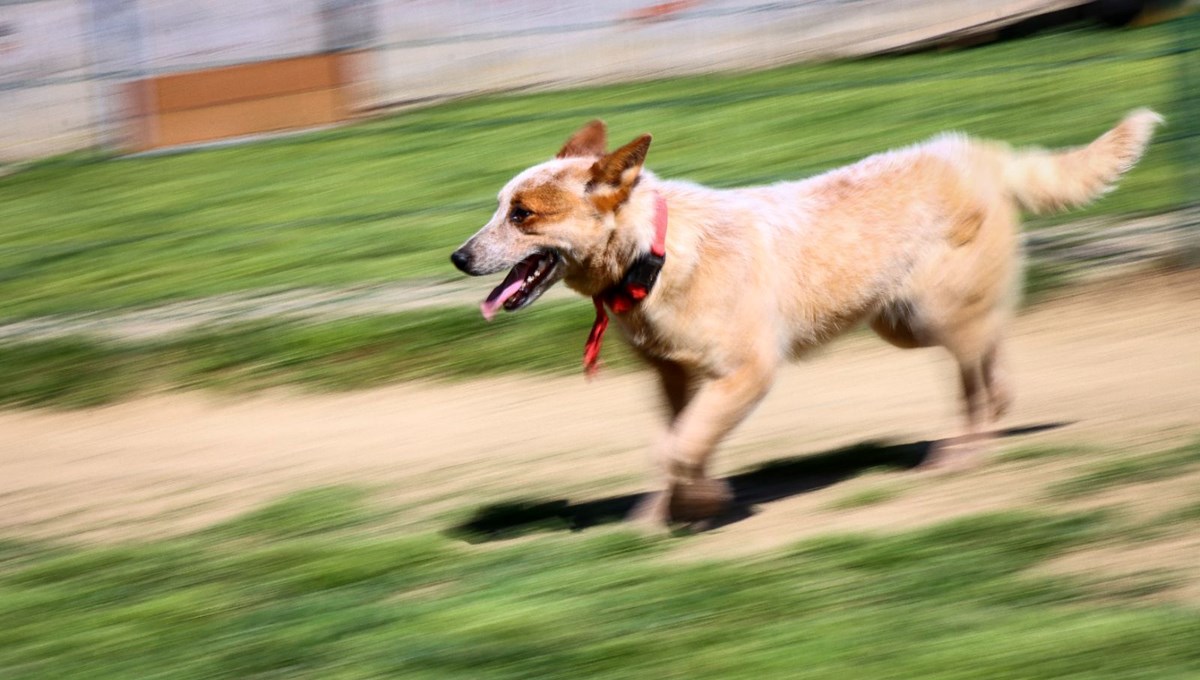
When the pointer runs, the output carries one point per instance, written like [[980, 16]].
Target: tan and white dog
[[920, 243]]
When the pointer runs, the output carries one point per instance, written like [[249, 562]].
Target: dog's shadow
[[765, 483]]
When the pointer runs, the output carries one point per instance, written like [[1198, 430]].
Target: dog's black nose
[[461, 260]]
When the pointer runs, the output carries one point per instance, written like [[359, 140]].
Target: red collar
[[637, 283]]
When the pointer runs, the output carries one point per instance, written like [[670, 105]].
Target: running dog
[[715, 288]]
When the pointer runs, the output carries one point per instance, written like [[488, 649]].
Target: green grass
[[1178, 521], [320, 510], [282, 593], [1129, 470], [388, 199], [335, 355], [1044, 452], [880, 491], [865, 497], [1188, 513]]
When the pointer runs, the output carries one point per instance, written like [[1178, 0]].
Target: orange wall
[[270, 96]]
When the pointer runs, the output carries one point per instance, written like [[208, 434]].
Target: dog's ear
[[615, 175], [588, 141]]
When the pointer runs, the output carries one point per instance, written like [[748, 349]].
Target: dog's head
[[555, 220]]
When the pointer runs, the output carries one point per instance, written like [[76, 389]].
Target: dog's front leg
[[678, 386], [717, 407]]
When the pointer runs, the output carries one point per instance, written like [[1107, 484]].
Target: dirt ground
[[1114, 365]]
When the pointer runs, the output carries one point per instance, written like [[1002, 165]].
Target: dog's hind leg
[[985, 395], [995, 381], [963, 450]]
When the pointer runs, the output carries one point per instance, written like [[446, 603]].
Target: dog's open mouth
[[524, 284]]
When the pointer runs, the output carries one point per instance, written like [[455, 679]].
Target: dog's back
[[929, 229]]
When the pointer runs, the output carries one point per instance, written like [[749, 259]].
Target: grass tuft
[[1148, 468], [314, 511], [881, 492]]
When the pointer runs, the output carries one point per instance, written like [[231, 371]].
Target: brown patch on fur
[[965, 216], [897, 330], [966, 225], [589, 141], [609, 201], [841, 188], [543, 201]]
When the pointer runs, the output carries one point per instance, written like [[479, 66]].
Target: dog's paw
[[999, 402], [959, 454], [651, 514], [698, 499]]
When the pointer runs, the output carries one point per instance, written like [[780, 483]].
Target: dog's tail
[[1045, 181]]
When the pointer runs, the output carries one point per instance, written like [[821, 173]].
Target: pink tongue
[[497, 298]]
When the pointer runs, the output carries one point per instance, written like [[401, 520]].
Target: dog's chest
[[657, 338]]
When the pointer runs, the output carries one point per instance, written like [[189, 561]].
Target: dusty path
[[1118, 363]]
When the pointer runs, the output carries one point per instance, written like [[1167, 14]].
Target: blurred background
[[253, 425], [123, 75]]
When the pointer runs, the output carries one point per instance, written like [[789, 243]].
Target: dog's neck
[[631, 236], [635, 286]]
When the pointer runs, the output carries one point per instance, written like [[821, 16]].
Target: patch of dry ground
[[1116, 364]]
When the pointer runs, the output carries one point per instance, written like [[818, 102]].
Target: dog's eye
[[517, 214]]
